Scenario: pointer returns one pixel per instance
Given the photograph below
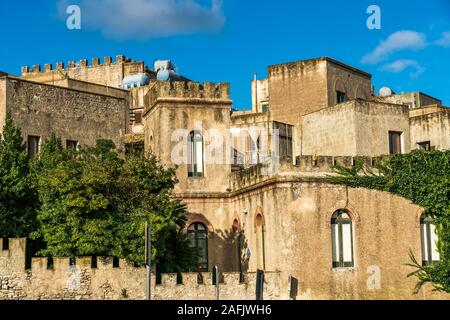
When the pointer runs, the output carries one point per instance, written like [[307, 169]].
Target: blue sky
[[229, 40]]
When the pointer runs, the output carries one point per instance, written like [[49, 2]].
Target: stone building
[[254, 181]]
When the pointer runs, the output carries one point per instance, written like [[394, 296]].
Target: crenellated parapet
[[60, 66], [86, 278], [188, 90], [304, 167]]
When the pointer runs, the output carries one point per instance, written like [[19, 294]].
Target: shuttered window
[[430, 253], [395, 142], [195, 155], [342, 239]]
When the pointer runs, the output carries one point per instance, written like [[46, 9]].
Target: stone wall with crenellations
[[81, 281]]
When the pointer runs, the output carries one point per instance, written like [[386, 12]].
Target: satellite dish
[[385, 92]]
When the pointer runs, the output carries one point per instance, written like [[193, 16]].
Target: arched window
[[430, 253], [195, 155], [198, 238], [260, 242], [342, 239]]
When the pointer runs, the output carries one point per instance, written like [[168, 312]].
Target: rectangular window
[[72, 144], [285, 138], [138, 117], [426, 145], [430, 252], [395, 142], [340, 97], [33, 146], [265, 107]]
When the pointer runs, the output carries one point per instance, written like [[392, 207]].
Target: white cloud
[[445, 40], [145, 19], [403, 64], [401, 40]]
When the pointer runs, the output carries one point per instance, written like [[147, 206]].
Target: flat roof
[[333, 61], [417, 92]]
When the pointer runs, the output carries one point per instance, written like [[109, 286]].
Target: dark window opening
[[198, 239], [33, 146], [395, 142], [72, 144], [116, 262], [265, 107], [426, 146], [340, 97], [138, 117]]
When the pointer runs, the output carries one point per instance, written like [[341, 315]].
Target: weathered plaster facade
[[355, 128], [433, 127]]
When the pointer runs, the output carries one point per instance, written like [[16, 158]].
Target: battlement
[[182, 90], [106, 280], [60, 66], [308, 167]]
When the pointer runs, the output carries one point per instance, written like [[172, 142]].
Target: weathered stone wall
[[39, 109], [433, 127], [297, 88], [105, 282], [354, 83], [175, 109], [296, 205], [412, 99], [355, 128], [109, 73], [303, 87]]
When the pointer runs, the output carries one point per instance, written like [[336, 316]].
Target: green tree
[[95, 203], [424, 178], [18, 199]]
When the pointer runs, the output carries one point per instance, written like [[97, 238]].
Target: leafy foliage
[[18, 199], [90, 202], [424, 178], [95, 203]]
